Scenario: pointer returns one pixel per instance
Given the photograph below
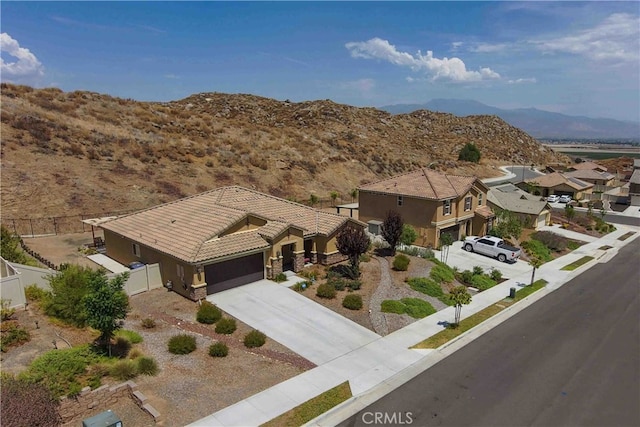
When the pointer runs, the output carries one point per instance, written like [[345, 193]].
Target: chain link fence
[[30, 227]]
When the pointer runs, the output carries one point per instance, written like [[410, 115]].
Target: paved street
[[572, 358]]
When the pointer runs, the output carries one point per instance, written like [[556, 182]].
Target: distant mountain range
[[537, 123]]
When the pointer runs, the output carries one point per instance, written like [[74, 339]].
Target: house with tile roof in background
[[225, 238], [431, 202], [558, 183], [532, 211]]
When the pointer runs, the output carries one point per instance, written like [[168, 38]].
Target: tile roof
[[556, 178], [517, 202], [590, 174], [484, 211], [587, 166], [190, 228], [423, 183]]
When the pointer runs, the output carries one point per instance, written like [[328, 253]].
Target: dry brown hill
[[82, 152]]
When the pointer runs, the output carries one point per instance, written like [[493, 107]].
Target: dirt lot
[[64, 248]]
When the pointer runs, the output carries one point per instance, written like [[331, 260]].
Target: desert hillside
[[82, 152]]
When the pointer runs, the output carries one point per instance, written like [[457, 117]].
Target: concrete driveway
[[309, 329], [458, 257]]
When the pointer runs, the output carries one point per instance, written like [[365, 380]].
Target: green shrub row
[[537, 249], [442, 274], [414, 307]]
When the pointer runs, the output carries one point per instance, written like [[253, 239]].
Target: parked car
[[564, 198], [553, 198], [135, 264], [492, 246]]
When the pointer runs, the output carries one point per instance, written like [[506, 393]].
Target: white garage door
[[542, 221]]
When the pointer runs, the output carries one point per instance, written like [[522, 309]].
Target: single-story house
[[431, 202], [533, 211], [594, 176], [225, 238], [634, 188], [586, 166], [557, 183]]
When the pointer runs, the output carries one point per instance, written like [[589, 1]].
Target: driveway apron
[[304, 326]]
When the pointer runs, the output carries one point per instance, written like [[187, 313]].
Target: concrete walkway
[[380, 366]]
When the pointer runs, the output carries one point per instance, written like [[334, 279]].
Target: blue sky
[[578, 58]]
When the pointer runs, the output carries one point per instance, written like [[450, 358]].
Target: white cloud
[[25, 70], [452, 69], [617, 38], [489, 48], [525, 80], [456, 45]]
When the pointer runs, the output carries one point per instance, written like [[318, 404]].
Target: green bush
[[336, 281], [182, 344], [417, 308], [477, 270], [218, 349], [208, 313], [68, 289], [6, 312], [482, 282], [132, 336], [59, 369], [12, 334], [121, 347], [551, 240], [354, 285], [147, 365], [401, 262], [409, 235], [124, 370], [254, 339], [326, 291], [352, 302], [442, 274], [426, 286], [35, 294], [280, 277], [496, 274], [537, 249], [466, 277], [301, 286], [469, 153], [572, 245], [392, 306], [148, 323], [226, 326]]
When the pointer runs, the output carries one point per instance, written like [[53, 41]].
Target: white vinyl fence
[[15, 277]]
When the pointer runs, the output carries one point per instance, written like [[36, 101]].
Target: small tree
[[569, 212], [446, 240], [469, 153], [408, 235], [459, 296], [334, 195], [534, 262], [68, 288], [392, 230], [353, 242], [507, 225], [313, 199], [603, 211], [105, 304], [9, 247], [353, 194]]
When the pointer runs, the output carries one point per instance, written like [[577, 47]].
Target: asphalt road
[[571, 359], [519, 172]]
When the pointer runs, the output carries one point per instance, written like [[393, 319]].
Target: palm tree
[[534, 262]]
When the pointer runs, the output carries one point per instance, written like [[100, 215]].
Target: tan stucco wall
[[249, 223], [293, 235]]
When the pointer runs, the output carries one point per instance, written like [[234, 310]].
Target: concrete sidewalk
[[379, 367]]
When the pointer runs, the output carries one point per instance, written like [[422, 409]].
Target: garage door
[[542, 221], [454, 232], [235, 272]]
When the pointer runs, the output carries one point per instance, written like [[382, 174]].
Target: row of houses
[[231, 236]]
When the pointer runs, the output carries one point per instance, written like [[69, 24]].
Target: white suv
[[553, 198], [564, 198]]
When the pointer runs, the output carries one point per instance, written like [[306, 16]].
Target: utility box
[[512, 293], [103, 419]]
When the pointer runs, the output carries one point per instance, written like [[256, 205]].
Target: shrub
[[148, 323], [354, 285], [135, 353], [301, 286], [336, 281], [208, 313], [552, 241], [280, 277], [352, 302], [469, 153], [124, 370], [442, 274], [426, 286], [417, 308], [537, 249], [392, 306], [572, 245], [147, 366], [120, 348], [365, 258], [6, 312], [182, 344], [12, 335], [132, 336], [34, 293], [326, 291], [401, 262], [254, 339], [226, 326], [409, 235], [477, 270], [466, 276], [27, 404], [218, 349], [496, 274], [68, 289], [482, 282]]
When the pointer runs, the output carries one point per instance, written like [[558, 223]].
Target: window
[[180, 271], [136, 250], [479, 199], [467, 203], [400, 200], [446, 209]]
